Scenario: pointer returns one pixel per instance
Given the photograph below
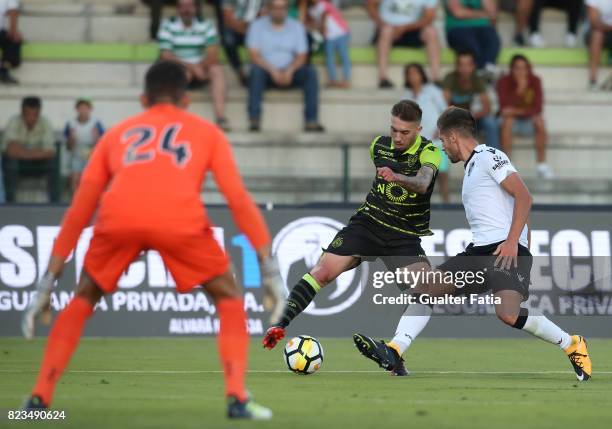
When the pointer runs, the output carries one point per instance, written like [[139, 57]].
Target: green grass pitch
[[176, 383]]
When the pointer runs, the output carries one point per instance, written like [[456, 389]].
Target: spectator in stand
[[327, 19], [298, 9], [10, 40], [404, 23], [277, 50], [599, 36], [470, 25], [29, 146], [520, 102], [432, 103], [237, 16], [81, 134], [462, 86], [521, 10], [195, 44], [156, 7], [573, 9]]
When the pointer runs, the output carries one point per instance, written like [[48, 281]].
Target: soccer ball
[[303, 354]]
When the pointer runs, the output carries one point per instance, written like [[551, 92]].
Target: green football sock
[[301, 295]]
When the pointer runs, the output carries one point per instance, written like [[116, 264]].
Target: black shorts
[[360, 241], [410, 39], [481, 259], [607, 43]]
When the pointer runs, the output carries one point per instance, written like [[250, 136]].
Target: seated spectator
[[277, 50], [81, 134], [521, 10], [237, 16], [30, 149], [327, 19], [520, 103], [462, 86], [404, 23], [194, 44], [599, 36], [470, 25], [156, 13], [432, 103], [10, 40], [573, 10]]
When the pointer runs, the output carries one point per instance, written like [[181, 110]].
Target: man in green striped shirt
[[195, 44]]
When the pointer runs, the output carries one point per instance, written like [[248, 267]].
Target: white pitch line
[[278, 371]]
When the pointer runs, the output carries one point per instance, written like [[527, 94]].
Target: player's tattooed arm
[[418, 183]]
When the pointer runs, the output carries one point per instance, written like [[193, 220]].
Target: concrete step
[[352, 96], [357, 111], [114, 22], [327, 160], [329, 189], [97, 76]]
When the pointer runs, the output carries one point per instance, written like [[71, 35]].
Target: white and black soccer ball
[[303, 354]]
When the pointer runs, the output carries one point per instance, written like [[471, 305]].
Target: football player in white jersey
[[497, 205]]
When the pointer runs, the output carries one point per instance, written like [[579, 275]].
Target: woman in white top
[[432, 102]]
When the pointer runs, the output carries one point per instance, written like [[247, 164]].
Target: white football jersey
[[488, 207]]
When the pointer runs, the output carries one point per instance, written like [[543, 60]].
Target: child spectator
[[329, 21], [81, 135], [431, 100], [520, 103]]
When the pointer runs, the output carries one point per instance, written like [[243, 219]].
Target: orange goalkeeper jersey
[[147, 173]]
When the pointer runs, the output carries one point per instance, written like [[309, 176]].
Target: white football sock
[[540, 326], [412, 322]]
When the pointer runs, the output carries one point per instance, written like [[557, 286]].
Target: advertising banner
[[569, 276]]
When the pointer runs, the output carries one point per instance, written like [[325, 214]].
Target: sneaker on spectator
[[536, 40], [571, 41], [314, 127], [593, 86], [223, 123], [5, 77], [545, 172], [519, 39], [385, 83], [490, 73], [254, 126]]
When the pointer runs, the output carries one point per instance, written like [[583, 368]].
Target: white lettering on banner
[[567, 245], [158, 275], [45, 236], [539, 281], [20, 271], [133, 276], [81, 249], [543, 303], [457, 240], [24, 253], [207, 325], [602, 266], [430, 242]]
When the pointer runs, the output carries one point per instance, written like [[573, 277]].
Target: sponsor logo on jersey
[[500, 164]]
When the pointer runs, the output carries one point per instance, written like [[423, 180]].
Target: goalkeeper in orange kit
[[144, 178]]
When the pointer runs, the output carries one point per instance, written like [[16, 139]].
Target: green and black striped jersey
[[391, 206]]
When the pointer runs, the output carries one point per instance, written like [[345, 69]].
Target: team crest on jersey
[[410, 162], [337, 242]]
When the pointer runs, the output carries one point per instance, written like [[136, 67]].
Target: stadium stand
[[84, 48]]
